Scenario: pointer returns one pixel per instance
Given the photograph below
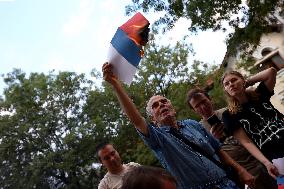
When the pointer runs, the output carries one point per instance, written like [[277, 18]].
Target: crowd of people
[[227, 149]]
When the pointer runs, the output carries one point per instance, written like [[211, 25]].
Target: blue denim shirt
[[191, 169]]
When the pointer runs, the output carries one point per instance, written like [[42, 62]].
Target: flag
[[125, 50], [280, 180]]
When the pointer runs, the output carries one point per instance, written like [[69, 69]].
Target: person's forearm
[[129, 108], [256, 152], [244, 176], [242, 137], [227, 160], [265, 75]]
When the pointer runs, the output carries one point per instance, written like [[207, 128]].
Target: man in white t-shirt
[[111, 160]]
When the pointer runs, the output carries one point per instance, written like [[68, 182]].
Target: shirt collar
[[167, 128]]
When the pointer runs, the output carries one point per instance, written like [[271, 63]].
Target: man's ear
[[101, 162], [98, 157], [152, 119]]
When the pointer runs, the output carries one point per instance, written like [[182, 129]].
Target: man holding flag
[[188, 166]]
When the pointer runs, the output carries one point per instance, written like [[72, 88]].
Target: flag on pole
[[125, 50]]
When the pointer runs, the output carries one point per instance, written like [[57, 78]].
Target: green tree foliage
[[50, 124], [248, 21], [45, 139], [247, 63]]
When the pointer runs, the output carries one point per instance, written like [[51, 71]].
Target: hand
[[217, 131], [247, 178], [272, 170], [108, 74]]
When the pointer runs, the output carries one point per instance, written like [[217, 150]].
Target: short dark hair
[[195, 92], [146, 177], [100, 146]]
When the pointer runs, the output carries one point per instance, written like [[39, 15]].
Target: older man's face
[[162, 110]]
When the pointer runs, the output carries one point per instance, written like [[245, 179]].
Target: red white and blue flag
[[280, 182], [125, 50]]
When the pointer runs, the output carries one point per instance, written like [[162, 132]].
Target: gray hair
[[149, 109]]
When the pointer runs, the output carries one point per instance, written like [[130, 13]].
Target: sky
[[74, 35]]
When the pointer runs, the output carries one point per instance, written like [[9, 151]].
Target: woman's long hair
[[234, 105]]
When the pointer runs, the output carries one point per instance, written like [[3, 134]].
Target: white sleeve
[[103, 185], [133, 164]]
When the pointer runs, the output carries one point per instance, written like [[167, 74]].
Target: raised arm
[[268, 76], [244, 176], [250, 146], [125, 102]]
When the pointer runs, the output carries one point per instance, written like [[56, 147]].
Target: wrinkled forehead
[[155, 99]]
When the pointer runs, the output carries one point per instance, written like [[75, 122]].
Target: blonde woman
[[251, 117]]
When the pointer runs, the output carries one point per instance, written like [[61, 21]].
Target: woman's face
[[234, 85]]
